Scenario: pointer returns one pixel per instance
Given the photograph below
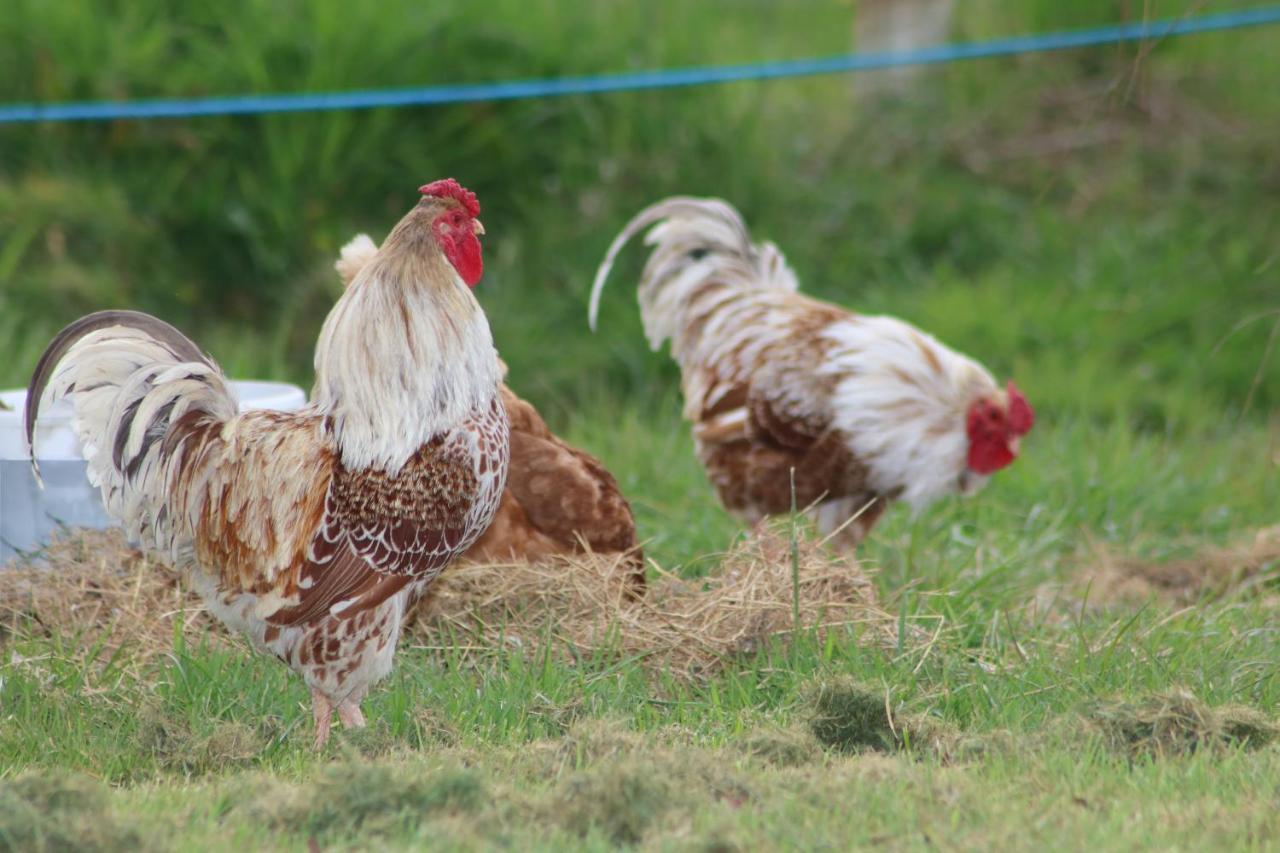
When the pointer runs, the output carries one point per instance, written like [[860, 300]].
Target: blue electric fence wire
[[630, 81]]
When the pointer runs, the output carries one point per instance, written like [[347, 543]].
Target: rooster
[[312, 532], [559, 500], [800, 403]]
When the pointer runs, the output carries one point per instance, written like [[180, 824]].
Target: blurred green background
[[1101, 223]]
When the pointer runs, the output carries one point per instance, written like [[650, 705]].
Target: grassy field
[[1091, 649]]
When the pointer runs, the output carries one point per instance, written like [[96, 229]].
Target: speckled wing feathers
[[759, 407], [379, 533]]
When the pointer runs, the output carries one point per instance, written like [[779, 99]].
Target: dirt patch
[[1177, 723], [1110, 577], [851, 718], [96, 588]]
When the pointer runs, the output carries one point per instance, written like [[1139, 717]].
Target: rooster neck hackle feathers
[[406, 353], [901, 397]]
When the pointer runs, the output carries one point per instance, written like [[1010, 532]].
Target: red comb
[[449, 188], [1021, 415]]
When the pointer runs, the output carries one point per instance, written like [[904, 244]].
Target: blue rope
[[630, 81]]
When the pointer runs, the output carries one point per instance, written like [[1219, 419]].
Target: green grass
[[1099, 224], [1006, 691]]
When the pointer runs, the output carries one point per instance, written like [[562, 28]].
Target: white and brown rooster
[[559, 500], [311, 532], [863, 409]]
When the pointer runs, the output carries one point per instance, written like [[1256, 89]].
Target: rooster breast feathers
[[258, 506], [558, 498]]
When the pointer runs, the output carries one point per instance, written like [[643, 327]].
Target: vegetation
[[1099, 224]]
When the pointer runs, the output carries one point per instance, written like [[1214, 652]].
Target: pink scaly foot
[[322, 708], [350, 714]]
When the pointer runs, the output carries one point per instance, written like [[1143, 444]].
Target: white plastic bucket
[[29, 514]]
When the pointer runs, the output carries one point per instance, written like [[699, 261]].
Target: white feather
[[899, 413], [357, 252], [382, 414]]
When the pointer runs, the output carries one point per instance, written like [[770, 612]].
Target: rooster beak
[[1015, 445], [479, 229]]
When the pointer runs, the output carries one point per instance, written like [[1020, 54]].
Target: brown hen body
[[559, 501]]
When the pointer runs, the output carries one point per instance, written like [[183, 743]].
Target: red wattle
[[469, 261], [987, 456], [461, 248]]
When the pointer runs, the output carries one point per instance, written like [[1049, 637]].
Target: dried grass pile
[[1177, 723], [92, 586], [686, 627], [1251, 564]]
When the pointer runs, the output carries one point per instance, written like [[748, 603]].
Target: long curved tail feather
[[134, 381], [709, 210], [695, 240], [69, 336]]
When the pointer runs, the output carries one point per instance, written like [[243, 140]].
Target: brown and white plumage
[[559, 499], [863, 409], [312, 533]]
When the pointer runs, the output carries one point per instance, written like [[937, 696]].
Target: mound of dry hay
[[93, 586], [683, 626], [1176, 723], [1214, 570]]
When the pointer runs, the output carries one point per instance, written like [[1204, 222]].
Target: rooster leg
[[322, 708], [845, 523], [350, 714]]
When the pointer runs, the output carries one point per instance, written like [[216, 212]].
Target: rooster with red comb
[[796, 402], [312, 533]]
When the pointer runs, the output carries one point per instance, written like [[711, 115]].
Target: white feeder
[[29, 514]]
